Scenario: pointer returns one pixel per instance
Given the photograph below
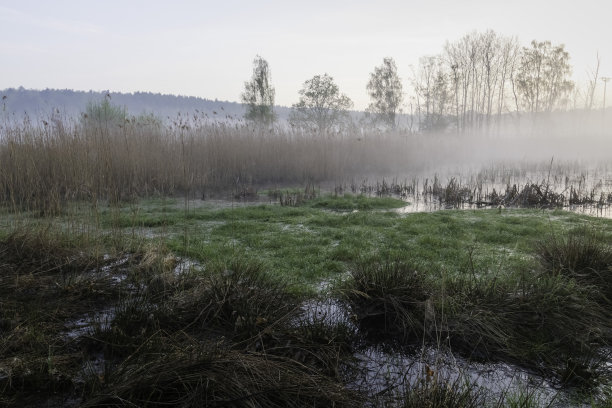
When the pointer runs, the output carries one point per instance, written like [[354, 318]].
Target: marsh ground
[[150, 302]]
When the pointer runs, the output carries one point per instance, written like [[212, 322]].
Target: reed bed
[[43, 167]]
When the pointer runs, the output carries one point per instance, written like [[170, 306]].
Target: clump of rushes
[[229, 336], [388, 299], [195, 374], [238, 300], [579, 256], [239, 297], [317, 342], [547, 324]]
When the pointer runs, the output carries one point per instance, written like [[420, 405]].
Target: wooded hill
[[41, 103]]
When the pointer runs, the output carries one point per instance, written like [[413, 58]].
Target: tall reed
[[42, 167]]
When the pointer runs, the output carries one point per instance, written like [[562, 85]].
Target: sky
[[206, 48]]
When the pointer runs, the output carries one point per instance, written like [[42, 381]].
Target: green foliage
[[258, 95], [543, 76], [385, 90], [103, 115], [349, 202], [321, 107]]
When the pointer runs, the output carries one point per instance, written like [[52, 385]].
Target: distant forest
[[18, 102]]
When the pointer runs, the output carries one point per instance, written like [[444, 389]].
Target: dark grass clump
[[546, 324], [388, 299], [238, 300], [582, 257], [239, 297], [195, 375], [229, 336], [318, 342], [453, 195], [41, 252], [538, 196], [435, 392], [45, 282], [471, 317]]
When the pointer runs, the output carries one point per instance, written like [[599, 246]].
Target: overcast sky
[[206, 48]]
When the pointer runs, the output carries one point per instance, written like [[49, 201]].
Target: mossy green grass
[[321, 239]]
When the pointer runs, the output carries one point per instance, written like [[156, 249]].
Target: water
[[584, 189], [386, 372]]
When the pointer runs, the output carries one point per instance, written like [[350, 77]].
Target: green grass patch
[[349, 202], [307, 244]]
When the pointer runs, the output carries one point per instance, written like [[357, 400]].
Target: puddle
[[384, 372], [87, 324], [390, 373], [185, 265], [115, 264], [330, 312]]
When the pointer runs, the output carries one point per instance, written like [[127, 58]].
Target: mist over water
[[583, 137]]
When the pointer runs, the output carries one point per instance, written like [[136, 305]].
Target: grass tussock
[[583, 257], [43, 251], [547, 324], [238, 297], [46, 282], [388, 299], [238, 300], [199, 375], [226, 334]]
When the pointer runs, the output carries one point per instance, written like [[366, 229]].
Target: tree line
[[473, 83]]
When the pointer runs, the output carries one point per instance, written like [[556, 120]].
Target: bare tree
[[321, 106], [480, 68], [258, 95], [385, 89], [510, 52], [594, 76], [482, 76], [433, 90]]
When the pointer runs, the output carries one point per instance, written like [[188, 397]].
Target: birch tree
[[385, 90], [258, 95]]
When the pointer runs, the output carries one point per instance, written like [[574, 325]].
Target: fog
[[581, 136]]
